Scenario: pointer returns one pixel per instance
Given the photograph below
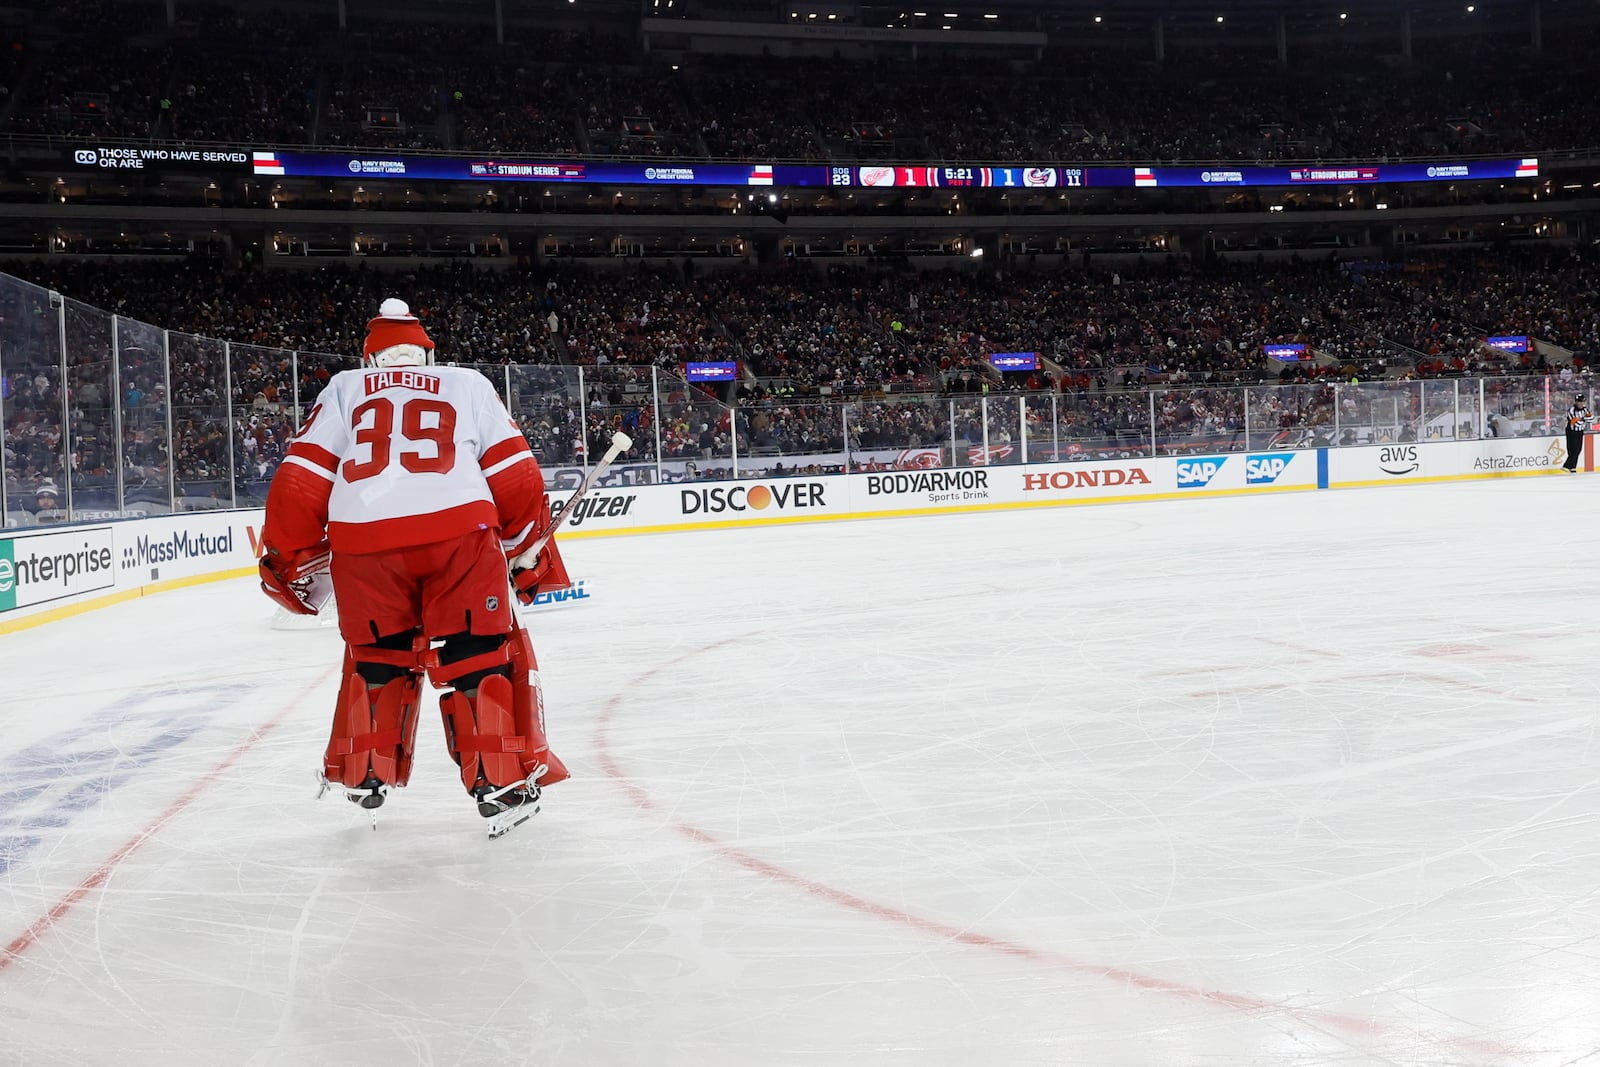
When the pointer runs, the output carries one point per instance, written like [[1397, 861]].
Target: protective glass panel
[[1039, 427], [30, 399], [696, 442], [1103, 425], [547, 404], [202, 441], [1524, 407], [618, 399], [778, 439], [1199, 422], [92, 426], [1373, 413], [262, 385], [898, 434], [1003, 422], [142, 378]]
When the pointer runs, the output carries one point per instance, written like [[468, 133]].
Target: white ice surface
[[1301, 780]]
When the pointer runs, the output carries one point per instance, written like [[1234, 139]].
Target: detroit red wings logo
[[918, 459], [980, 456]]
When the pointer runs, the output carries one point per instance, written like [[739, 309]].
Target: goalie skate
[[369, 795], [509, 807]]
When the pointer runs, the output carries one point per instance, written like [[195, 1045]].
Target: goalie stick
[[620, 443]]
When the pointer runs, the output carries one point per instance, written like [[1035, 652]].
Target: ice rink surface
[[1309, 779]]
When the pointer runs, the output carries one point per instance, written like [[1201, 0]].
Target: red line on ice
[[1242, 1002], [42, 925]]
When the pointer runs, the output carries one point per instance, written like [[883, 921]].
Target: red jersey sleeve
[[515, 480], [297, 500]]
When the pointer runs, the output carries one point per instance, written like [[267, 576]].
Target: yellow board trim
[[943, 509], [1436, 479], [67, 611]]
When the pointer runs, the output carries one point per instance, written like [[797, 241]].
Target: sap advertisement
[[378, 164]]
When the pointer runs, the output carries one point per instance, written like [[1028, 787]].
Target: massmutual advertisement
[[69, 563]]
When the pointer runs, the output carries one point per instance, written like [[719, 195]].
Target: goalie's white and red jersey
[[400, 456]]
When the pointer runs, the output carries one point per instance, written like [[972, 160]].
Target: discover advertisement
[[733, 500]]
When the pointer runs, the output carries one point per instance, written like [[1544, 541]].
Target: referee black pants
[[1574, 446]]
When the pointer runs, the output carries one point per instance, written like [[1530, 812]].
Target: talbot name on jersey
[[379, 380]]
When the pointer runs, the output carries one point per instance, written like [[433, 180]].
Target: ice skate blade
[[369, 801], [505, 821]]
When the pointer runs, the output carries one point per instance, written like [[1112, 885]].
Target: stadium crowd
[[905, 352], [284, 79]]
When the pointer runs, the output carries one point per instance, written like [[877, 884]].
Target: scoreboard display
[[380, 164], [880, 177]]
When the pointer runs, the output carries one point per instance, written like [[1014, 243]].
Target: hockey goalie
[[408, 488]]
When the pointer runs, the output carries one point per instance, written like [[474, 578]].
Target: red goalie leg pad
[[529, 709], [374, 730], [483, 735], [497, 729]]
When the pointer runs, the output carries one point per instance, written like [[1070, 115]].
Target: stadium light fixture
[[1219, 18], [1099, 19], [1343, 15], [991, 16], [951, 15]]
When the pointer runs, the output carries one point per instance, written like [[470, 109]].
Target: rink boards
[[53, 572], [760, 502]]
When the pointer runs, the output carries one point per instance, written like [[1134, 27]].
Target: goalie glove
[[299, 581], [525, 580]]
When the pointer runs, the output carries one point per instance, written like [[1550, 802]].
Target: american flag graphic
[[761, 174], [1143, 178], [1528, 168], [266, 163]]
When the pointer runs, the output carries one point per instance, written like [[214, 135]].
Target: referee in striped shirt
[[1578, 417]]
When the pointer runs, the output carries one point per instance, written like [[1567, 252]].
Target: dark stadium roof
[[1371, 12]]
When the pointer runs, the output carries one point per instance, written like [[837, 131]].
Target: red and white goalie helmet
[[396, 339]]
